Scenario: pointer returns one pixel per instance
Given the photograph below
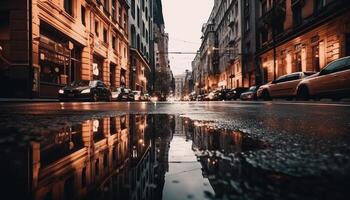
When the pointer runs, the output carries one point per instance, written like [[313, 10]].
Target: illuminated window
[[316, 58]]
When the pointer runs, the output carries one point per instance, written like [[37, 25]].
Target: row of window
[[267, 5], [115, 10]]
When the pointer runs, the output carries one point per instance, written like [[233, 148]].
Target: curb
[[19, 100]]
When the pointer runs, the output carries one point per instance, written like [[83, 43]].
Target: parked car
[[332, 82], [206, 97], [122, 94], [250, 94], [200, 97], [193, 96], [283, 87], [146, 97], [221, 94], [85, 90], [212, 96], [234, 94], [138, 95]]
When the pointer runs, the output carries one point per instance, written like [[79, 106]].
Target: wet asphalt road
[[304, 148]]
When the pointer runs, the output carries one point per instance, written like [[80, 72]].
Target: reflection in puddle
[[137, 157]]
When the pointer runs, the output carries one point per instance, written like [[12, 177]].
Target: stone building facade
[[220, 52], [140, 27], [301, 35], [64, 41]]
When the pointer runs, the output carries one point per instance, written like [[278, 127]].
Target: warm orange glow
[[303, 59], [289, 63], [322, 55]]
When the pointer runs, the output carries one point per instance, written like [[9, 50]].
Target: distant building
[[179, 86], [228, 56], [220, 56], [196, 73]]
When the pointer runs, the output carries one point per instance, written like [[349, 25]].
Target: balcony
[[275, 14], [298, 2], [232, 23]]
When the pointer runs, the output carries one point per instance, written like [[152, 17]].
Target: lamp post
[[133, 77], [232, 76]]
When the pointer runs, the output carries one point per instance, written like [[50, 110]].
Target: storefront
[[310, 51], [54, 61], [59, 61]]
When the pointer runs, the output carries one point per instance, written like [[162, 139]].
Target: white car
[[333, 82], [137, 95], [283, 87]]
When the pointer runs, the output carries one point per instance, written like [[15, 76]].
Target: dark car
[[122, 94], [234, 94], [221, 94], [250, 94], [200, 97], [85, 90]]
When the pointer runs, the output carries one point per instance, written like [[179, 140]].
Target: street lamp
[[232, 76], [133, 77]]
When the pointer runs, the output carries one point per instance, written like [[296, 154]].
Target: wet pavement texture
[[215, 150]]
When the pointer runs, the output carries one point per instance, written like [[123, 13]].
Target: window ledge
[[68, 16]]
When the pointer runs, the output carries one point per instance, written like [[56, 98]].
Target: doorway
[[112, 75], [347, 44]]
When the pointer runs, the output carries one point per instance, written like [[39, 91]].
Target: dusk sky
[[183, 22]]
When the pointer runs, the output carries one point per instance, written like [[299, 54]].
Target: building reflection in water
[[127, 157], [120, 157]]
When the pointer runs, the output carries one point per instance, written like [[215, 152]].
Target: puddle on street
[[140, 157]]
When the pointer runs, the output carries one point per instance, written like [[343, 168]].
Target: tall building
[[195, 73], [64, 41], [162, 76], [301, 35], [140, 27], [179, 86], [250, 69], [208, 68], [227, 20], [220, 54]]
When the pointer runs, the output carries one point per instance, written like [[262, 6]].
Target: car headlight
[[61, 91], [234, 92], [86, 91]]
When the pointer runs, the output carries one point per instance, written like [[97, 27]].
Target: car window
[[309, 73], [281, 79], [346, 64], [80, 83], [293, 77], [252, 88], [335, 66]]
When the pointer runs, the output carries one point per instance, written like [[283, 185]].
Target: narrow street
[[196, 150]]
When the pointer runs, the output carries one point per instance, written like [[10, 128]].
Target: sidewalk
[[21, 100]]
